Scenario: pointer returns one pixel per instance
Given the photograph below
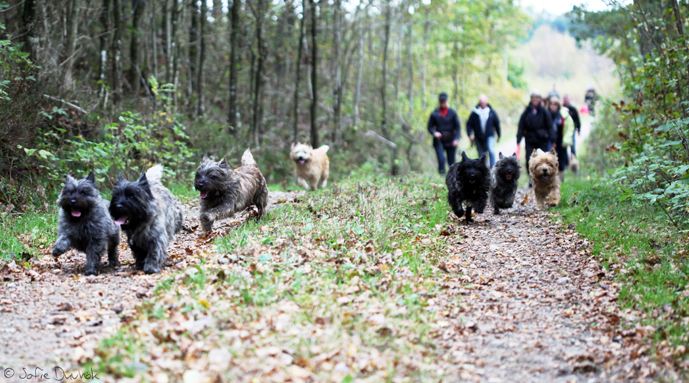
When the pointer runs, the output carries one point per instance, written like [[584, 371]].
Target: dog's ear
[[205, 158], [295, 143], [553, 152], [70, 180], [500, 155], [91, 178], [483, 158], [223, 164], [514, 154], [120, 178], [143, 180], [464, 156], [536, 152]]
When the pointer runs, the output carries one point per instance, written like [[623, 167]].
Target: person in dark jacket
[[536, 127], [575, 119], [444, 127], [482, 127]]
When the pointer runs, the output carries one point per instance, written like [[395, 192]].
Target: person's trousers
[[440, 152], [487, 146], [530, 147], [574, 142]]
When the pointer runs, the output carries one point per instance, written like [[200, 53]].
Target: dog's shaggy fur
[[150, 216], [312, 165], [504, 182], [468, 182], [224, 191], [85, 224], [545, 179]]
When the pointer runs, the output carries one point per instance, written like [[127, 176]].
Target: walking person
[[482, 127], [444, 126], [535, 126], [574, 114], [564, 134]]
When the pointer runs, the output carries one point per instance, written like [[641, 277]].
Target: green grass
[[649, 255], [26, 234], [373, 243]]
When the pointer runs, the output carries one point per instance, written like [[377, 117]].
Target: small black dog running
[[468, 182]]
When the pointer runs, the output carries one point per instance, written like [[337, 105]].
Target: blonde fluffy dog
[[312, 165], [544, 176]]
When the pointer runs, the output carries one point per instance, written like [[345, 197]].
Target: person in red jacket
[[444, 126]]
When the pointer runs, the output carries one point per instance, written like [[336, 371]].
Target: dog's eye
[[82, 192]]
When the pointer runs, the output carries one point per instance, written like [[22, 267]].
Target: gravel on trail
[[535, 306], [51, 311]]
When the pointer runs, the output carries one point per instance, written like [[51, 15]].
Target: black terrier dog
[[150, 216], [504, 182], [468, 182], [85, 224]]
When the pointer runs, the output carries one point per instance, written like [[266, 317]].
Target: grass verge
[[647, 253], [341, 286]]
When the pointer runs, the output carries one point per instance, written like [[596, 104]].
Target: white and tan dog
[[312, 165]]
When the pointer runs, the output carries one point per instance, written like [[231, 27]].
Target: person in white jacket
[[483, 128]]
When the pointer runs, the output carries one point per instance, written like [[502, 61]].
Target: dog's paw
[[496, 211], [114, 262], [149, 269], [91, 271]]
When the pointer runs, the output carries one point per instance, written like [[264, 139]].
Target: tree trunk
[[314, 73], [359, 71], [193, 46], [201, 109], [384, 82], [154, 41], [167, 20], [678, 17], [260, 59], [72, 24], [337, 71], [234, 70], [105, 23], [410, 70], [298, 68], [424, 61], [134, 48], [117, 51], [29, 23]]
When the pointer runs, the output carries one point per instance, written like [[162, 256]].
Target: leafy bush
[[129, 146], [654, 131]]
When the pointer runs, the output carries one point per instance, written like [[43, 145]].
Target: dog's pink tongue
[[204, 194], [122, 220], [76, 213]]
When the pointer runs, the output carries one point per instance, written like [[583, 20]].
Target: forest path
[[538, 308], [49, 310]]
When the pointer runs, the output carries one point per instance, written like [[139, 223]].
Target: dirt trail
[[49, 310], [539, 308]]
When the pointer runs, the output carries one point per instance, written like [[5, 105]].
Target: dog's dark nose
[[201, 184], [73, 200], [119, 206]]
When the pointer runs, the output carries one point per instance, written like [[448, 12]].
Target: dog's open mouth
[[508, 176], [203, 194], [472, 181], [301, 161], [122, 220], [76, 213], [544, 177]]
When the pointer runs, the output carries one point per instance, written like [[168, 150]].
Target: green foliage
[[515, 76], [652, 122], [15, 65], [130, 146]]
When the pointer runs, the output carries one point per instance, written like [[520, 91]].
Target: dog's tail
[[154, 174], [248, 158], [324, 148]]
